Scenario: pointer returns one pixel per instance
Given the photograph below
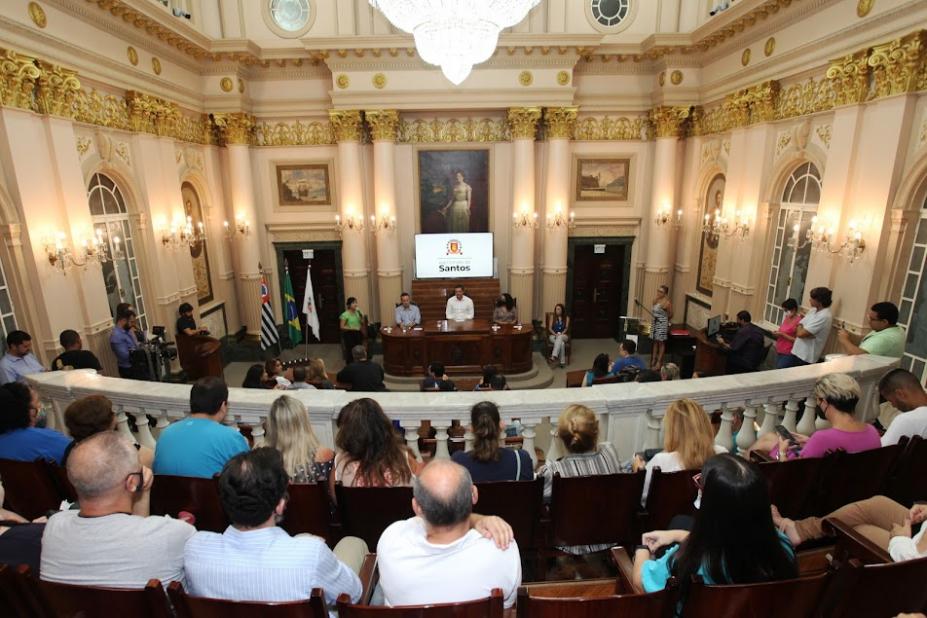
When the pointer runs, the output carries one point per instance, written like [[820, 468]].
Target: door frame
[[625, 243], [280, 247]]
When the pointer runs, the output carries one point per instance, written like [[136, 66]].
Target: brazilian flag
[[292, 313]]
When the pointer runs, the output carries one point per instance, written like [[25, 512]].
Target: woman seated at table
[[732, 541], [837, 395], [599, 369], [505, 312]]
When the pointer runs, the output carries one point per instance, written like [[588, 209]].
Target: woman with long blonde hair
[[688, 441], [290, 432]]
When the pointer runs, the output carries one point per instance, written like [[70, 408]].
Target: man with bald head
[[111, 541], [447, 553]]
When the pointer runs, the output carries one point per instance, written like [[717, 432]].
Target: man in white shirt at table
[[459, 307]]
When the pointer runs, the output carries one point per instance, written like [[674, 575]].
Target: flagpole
[[308, 274]]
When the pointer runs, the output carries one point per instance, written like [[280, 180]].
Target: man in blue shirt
[[18, 362], [200, 445], [407, 314], [626, 358], [123, 342]]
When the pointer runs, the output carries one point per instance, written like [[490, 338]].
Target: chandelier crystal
[[454, 34]]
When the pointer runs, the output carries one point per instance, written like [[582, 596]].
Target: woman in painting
[[458, 220]]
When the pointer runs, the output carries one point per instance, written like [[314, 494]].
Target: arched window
[[7, 311], [791, 252], [913, 308], [111, 220]]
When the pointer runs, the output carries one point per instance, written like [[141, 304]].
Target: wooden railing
[[630, 414]]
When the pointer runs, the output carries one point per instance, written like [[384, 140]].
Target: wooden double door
[[326, 276], [598, 276]]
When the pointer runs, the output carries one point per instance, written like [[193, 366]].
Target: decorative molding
[[603, 231], [37, 14], [18, 77], [669, 121], [383, 123], [824, 132], [56, 91], [563, 78], [525, 78], [379, 81], [590, 128], [312, 133], [453, 130], [559, 122], [343, 81], [83, 145], [226, 84], [132, 55], [863, 7], [745, 57], [782, 143], [122, 149], [523, 122], [347, 125], [923, 138], [898, 65], [235, 127], [769, 47], [849, 77], [156, 66], [676, 77]]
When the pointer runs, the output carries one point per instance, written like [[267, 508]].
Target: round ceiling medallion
[[770, 46], [156, 66], [132, 55], [563, 78], [379, 81], [745, 57], [37, 14], [863, 7], [226, 84], [525, 78], [676, 77]]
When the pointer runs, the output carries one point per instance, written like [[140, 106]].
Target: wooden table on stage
[[463, 347]]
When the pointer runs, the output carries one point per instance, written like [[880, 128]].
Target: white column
[[384, 125], [523, 123], [559, 129]]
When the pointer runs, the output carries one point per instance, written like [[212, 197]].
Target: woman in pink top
[[785, 336]]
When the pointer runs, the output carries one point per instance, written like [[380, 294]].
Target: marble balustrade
[[630, 414]]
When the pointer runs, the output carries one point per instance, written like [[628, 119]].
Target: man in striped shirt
[[254, 560]]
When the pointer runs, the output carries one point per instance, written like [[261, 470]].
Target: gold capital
[[559, 121], [896, 65], [346, 124], [57, 90], [18, 75], [849, 77], [384, 124], [668, 121], [234, 127], [150, 114], [763, 99], [523, 121]]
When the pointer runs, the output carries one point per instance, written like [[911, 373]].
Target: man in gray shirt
[[111, 541], [407, 314]]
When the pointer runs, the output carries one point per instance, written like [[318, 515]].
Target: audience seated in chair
[[669, 372], [254, 559], [290, 432], [648, 375], [200, 444], [274, 369], [74, 355], [732, 541], [626, 358], [90, 415], [20, 541], [600, 369], [837, 395], [485, 384], [256, 377], [20, 439], [487, 461], [111, 540], [505, 311], [318, 374], [363, 374], [904, 391], [558, 334], [447, 553], [299, 380], [437, 380]]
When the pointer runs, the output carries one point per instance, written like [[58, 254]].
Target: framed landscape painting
[[453, 190], [306, 184], [602, 179]]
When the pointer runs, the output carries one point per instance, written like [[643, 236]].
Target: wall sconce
[[350, 222], [822, 240], [385, 222], [558, 219], [665, 216], [182, 234], [717, 226], [525, 219], [241, 228], [61, 256]]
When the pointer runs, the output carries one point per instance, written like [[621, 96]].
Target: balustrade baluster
[[791, 415], [556, 450], [441, 450], [528, 436], [806, 423], [747, 434], [143, 432], [412, 440], [653, 431], [257, 434], [725, 435], [161, 424], [771, 418], [122, 424]]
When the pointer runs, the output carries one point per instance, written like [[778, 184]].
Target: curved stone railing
[[630, 414]]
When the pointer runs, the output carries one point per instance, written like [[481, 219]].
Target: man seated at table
[[459, 307], [407, 314], [437, 379], [363, 374], [186, 324], [746, 351]]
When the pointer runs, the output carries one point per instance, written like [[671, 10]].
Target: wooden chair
[[188, 606], [15, 600], [308, 510], [851, 544], [910, 483], [520, 503], [172, 494], [850, 477], [670, 494], [794, 485], [593, 510], [68, 601], [792, 597], [548, 346], [876, 590], [574, 379], [366, 512], [30, 491], [60, 478], [490, 607]]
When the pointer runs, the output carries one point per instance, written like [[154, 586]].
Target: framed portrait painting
[[453, 190], [306, 184], [602, 179]]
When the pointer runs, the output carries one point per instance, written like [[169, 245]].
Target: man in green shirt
[[886, 337]]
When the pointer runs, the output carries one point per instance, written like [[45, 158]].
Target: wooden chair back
[[609, 379], [592, 510], [16, 600], [910, 483], [172, 494], [490, 607], [366, 512], [520, 503], [30, 491], [877, 590], [851, 544], [540, 605], [794, 485], [308, 510], [60, 478], [670, 494], [188, 606], [850, 477], [792, 597]]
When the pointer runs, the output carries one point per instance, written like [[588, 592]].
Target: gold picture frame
[[602, 179], [304, 184]]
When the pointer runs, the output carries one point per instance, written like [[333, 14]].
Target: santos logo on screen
[[457, 255]]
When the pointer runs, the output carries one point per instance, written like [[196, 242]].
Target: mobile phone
[[786, 435]]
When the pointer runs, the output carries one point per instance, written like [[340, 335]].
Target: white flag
[[309, 308]]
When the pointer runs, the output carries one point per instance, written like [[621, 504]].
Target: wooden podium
[[199, 355]]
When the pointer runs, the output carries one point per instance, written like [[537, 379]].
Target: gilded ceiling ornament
[[850, 78], [37, 14], [676, 77], [763, 100], [226, 84], [745, 57], [57, 90], [863, 7], [896, 65], [805, 98], [668, 120], [824, 132], [624, 129], [662, 78], [452, 130], [770, 46], [132, 55], [525, 78], [559, 121], [343, 81], [563, 78], [150, 114], [234, 127], [241, 85], [18, 76], [384, 124], [313, 133], [346, 124], [156, 66], [379, 81], [523, 122], [102, 110]]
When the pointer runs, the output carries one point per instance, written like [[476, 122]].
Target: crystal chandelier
[[454, 34]]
